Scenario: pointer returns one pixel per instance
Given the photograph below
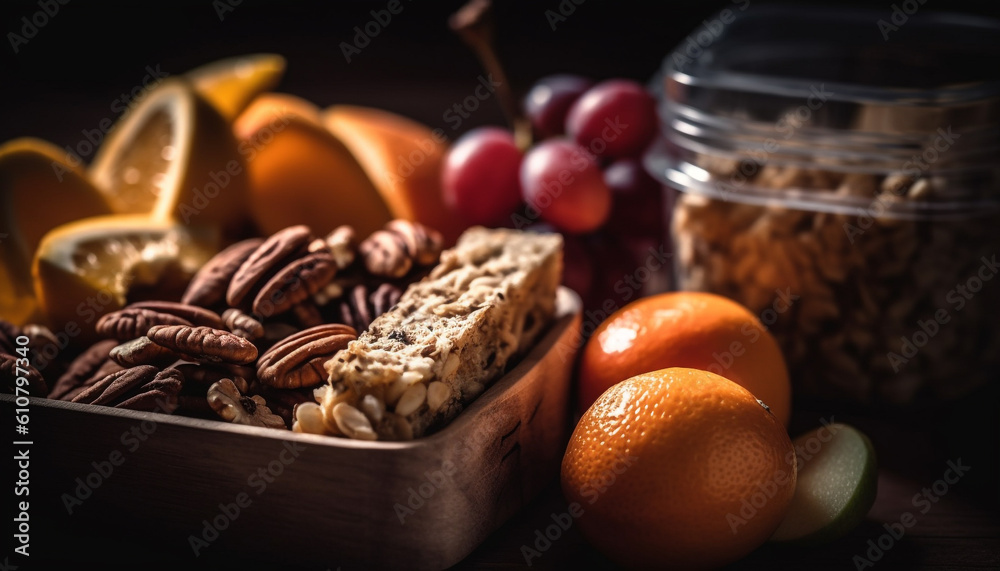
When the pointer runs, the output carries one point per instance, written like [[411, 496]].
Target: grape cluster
[[583, 176]]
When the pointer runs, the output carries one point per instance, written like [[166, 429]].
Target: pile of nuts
[[868, 308], [248, 339]]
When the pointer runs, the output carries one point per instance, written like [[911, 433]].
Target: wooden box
[[104, 473]]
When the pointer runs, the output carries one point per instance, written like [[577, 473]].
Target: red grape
[[615, 118], [480, 176], [563, 183], [637, 208], [549, 101]]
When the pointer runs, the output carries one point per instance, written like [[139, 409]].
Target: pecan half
[[196, 315], [295, 283], [82, 368], [298, 360], [208, 286], [391, 252], [138, 388], [423, 244], [143, 351], [384, 254], [341, 243], [129, 323], [266, 260], [159, 395], [107, 390], [230, 404], [106, 368], [204, 344], [242, 324], [9, 373], [361, 305]]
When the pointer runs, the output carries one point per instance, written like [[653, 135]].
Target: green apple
[[836, 485]]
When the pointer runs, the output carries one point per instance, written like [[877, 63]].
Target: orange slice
[[87, 268], [403, 159], [39, 190], [302, 174], [174, 157], [231, 84]]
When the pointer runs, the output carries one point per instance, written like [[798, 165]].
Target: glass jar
[[840, 178]]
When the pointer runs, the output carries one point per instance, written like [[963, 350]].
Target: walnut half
[[229, 403]]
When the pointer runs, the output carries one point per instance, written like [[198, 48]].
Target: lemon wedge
[[230, 84], [87, 268], [39, 190], [174, 157]]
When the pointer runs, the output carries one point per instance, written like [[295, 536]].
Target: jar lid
[[845, 90]]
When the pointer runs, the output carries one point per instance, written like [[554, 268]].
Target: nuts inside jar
[[878, 317]]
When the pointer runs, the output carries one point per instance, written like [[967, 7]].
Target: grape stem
[[474, 23]]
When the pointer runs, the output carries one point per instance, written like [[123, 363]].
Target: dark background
[[66, 78]]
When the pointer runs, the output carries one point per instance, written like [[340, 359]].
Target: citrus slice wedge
[[836, 486], [230, 84], [300, 173], [403, 159], [87, 268], [174, 156], [39, 190]]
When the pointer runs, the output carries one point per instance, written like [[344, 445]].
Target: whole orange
[[678, 468], [686, 329]]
